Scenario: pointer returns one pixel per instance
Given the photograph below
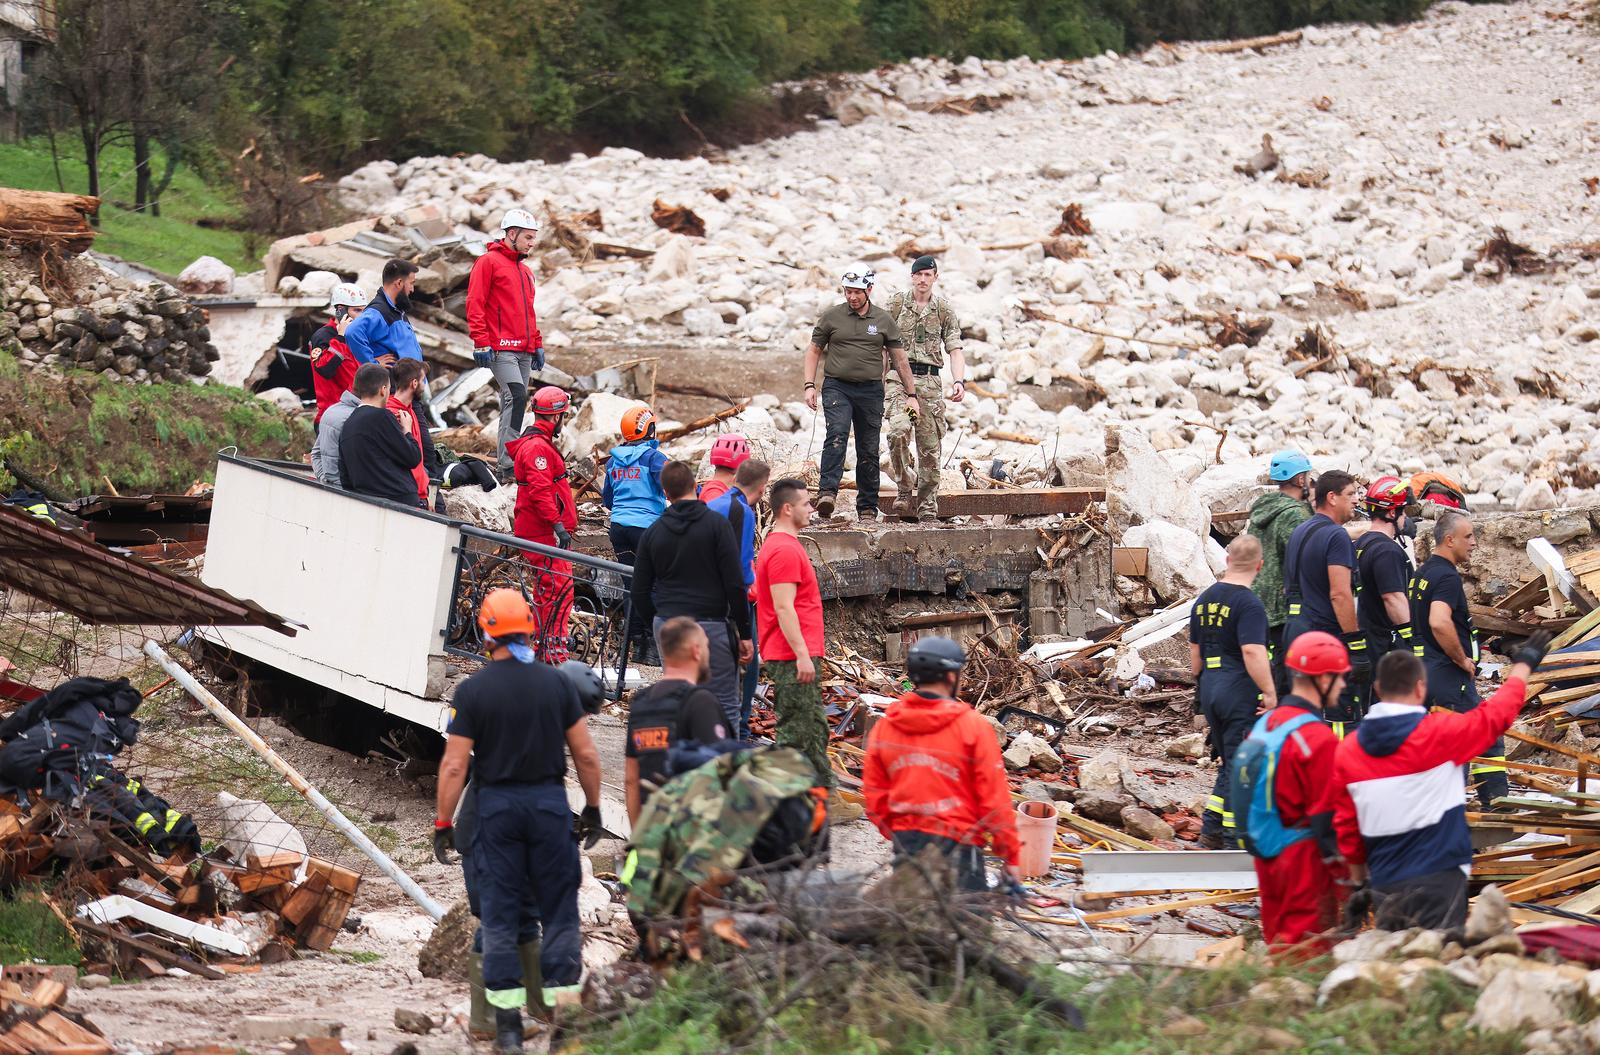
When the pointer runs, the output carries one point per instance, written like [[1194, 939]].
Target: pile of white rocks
[[1436, 359]]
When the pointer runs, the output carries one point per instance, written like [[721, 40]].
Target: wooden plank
[[306, 898], [155, 951], [1582, 630], [1131, 561], [1170, 906], [1031, 501], [1588, 862], [339, 878], [1533, 887], [1560, 749]]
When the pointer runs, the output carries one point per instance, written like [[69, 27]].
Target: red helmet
[[1386, 496], [505, 612], [730, 451], [1317, 652], [550, 401]]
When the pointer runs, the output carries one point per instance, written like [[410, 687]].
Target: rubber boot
[[532, 979], [508, 1029], [480, 1024]]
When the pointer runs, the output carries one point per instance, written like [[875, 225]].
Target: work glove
[[482, 356], [587, 827], [538, 358], [563, 536], [444, 840], [1360, 659], [1532, 650]]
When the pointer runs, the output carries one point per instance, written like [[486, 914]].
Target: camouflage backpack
[[704, 825]]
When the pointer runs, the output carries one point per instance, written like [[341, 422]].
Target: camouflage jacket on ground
[[701, 824], [928, 332], [1273, 519]]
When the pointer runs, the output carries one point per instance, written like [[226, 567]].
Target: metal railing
[[581, 604]]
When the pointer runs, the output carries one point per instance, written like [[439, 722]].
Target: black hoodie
[[688, 564]]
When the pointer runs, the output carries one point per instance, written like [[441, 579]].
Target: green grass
[[30, 932], [359, 956], [168, 242], [867, 1010]]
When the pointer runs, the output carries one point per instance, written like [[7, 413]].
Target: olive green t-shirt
[[853, 345]]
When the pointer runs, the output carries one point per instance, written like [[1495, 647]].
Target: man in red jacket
[[502, 323], [1400, 790], [333, 368], [546, 513], [1301, 887], [933, 774]]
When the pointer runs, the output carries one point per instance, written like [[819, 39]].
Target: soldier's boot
[[841, 811], [480, 1024], [508, 1029], [533, 980]]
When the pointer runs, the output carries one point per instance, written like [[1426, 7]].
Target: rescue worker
[[739, 506], [502, 322], [1319, 582], [930, 330], [1399, 798], [546, 513], [407, 378], [333, 365], [1447, 642], [854, 343], [1383, 573], [1228, 657], [676, 709], [632, 490], [383, 334], [933, 775], [728, 452], [510, 720], [1301, 886], [1273, 518]]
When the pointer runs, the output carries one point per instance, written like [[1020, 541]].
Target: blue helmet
[[1287, 464]]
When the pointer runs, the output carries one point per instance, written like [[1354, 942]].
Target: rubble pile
[[1192, 271], [137, 333]]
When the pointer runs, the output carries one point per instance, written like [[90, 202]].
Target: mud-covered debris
[[679, 219], [1073, 222]]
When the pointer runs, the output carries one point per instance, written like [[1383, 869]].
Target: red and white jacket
[[544, 495], [500, 315], [1400, 791], [333, 367]]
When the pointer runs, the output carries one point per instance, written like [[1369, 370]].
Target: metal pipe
[[298, 782]]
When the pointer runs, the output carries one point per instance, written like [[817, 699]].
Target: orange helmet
[[505, 612], [1318, 652], [638, 423]]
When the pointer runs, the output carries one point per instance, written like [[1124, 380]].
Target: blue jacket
[[632, 489], [382, 330], [723, 504]]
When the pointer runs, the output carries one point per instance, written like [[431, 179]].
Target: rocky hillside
[[1404, 277]]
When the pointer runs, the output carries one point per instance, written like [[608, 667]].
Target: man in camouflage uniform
[[929, 327], [1273, 518]]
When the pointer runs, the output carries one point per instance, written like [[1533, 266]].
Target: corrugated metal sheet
[[79, 577]]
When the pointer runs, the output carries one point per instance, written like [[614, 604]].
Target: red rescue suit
[[500, 315], [1300, 895], [333, 368], [544, 499]]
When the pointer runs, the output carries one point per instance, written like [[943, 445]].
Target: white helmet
[[858, 276], [348, 295], [518, 218]]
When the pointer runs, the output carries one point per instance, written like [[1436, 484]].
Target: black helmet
[[931, 658], [591, 690]]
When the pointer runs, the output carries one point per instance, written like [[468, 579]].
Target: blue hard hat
[[1287, 464]]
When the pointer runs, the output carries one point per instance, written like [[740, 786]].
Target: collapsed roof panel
[[98, 586]]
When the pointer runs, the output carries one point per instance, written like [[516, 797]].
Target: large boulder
[[1519, 1000], [206, 275], [1178, 567], [1142, 486], [1228, 488], [674, 260], [598, 422]]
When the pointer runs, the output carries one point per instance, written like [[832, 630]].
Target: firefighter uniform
[[1316, 545], [1449, 686], [1226, 617], [1382, 567]]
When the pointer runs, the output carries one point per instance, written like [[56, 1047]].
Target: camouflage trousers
[[802, 723], [927, 431]]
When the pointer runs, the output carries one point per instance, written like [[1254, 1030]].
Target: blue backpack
[[1251, 796]]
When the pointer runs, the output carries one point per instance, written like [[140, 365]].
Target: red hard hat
[[1317, 652], [550, 400], [730, 451], [1385, 495], [504, 612]]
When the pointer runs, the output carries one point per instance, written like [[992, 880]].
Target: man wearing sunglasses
[[854, 342]]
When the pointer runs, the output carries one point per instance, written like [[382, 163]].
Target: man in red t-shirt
[[789, 618]]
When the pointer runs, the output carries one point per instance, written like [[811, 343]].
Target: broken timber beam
[[703, 423], [1033, 501], [48, 219]]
